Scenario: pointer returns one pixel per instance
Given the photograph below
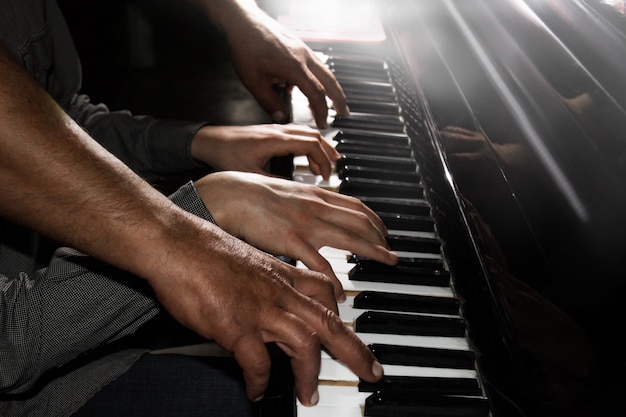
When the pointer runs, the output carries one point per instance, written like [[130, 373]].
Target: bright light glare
[[342, 20]]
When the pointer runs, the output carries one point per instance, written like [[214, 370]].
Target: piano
[[490, 136]]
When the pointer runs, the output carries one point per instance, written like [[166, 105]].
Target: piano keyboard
[[407, 314]]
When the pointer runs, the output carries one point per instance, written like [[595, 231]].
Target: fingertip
[[279, 117], [377, 370], [341, 108], [315, 398], [393, 258], [321, 122]]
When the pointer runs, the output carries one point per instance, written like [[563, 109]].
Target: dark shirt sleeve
[[152, 148]]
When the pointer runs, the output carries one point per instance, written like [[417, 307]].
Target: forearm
[[153, 148], [55, 179], [39, 311]]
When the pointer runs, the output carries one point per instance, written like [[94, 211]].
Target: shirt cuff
[[187, 198], [170, 145]]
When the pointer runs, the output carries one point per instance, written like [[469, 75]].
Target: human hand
[[265, 54], [293, 219], [249, 148], [225, 290]]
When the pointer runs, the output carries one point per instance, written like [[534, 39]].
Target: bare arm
[[55, 179]]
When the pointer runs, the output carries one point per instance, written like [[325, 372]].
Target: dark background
[[158, 57]]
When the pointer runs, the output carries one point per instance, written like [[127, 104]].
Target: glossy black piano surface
[[525, 100], [516, 114]]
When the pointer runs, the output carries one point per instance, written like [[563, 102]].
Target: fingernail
[[279, 117], [342, 298], [377, 369], [393, 257], [315, 398]]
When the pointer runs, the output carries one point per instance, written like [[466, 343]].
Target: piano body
[[498, 129], [490, 135]]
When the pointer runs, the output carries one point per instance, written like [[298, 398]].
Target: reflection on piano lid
[[491, 132]]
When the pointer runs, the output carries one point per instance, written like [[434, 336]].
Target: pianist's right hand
[[243, 298]]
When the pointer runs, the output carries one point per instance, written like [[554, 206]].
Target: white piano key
[[439, 342], [329, 411], [349, 314], [336, 401], [358, 286], [421, 255], [412, 233], [334, 253], [307, 177], [332, 370]]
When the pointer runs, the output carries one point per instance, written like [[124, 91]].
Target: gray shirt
[[57, 306]]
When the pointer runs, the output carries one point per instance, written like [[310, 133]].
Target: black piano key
[[387, 404], [369, 122], [346, 74], [395, 221], [370, 149], [372, 138], [417, 207], [406, 265], [375, 87], [377, 161], [366, 96], [414, 244], [354, 72], [365, 187], [409, 324], [377, 173], [412, 275], [366, 106], [359, 69], [373, 300], [420, 385], [422, 356]]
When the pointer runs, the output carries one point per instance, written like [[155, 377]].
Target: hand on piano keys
[[408, 314], [265, 54], [250, 148], [294, 220]]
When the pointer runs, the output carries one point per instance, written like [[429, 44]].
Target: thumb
[[273, 99]]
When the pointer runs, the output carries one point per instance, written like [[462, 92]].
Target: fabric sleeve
[[72, 306], [151, 147]]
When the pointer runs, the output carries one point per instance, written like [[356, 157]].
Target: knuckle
[[309, 341], [333, 323], [260, 367], [362, 217]]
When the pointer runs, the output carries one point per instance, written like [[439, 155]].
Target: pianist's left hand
[[249, 148], [294, 220], [265, 54]]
